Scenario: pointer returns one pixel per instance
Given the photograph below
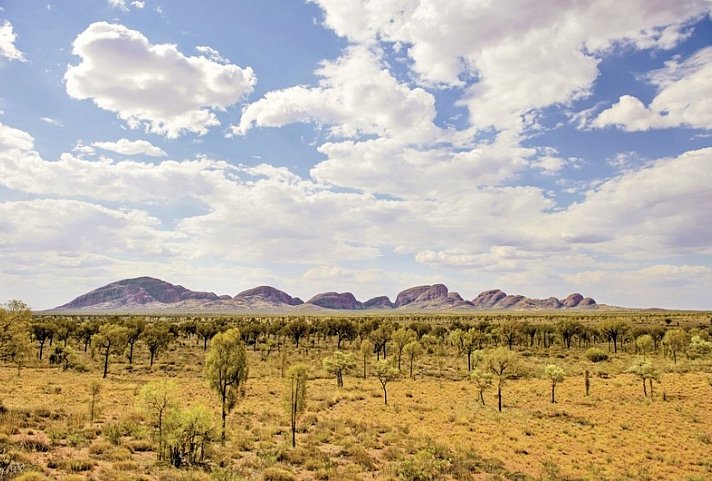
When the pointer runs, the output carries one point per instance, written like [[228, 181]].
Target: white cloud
[[391, 167], [153, 86], [682, 87], [523, 55], [650, 286], [79, 227], [51, 121], [14, 139], [356, 95], [7, 43], [660, 209], [126, 5], [131, 147]]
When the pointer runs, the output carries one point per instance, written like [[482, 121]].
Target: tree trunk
[[469, 361], [482, 396], [411, 368], [224, 417], [385, 395], [106, 363], [553, 391], [153, 354], [587, 382], [499, 397], [645, 389]]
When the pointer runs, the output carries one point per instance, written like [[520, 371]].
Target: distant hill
[[151, 294]]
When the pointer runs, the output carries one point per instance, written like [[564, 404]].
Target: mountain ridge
[[149, 293]]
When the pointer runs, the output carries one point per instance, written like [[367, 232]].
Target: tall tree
[[295, 396], [156, 399], [226, 370], [338, 364], [385, 373], [111, 339], [556, 375], [503, 364]]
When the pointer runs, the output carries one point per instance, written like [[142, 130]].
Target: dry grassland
[[433, 428]]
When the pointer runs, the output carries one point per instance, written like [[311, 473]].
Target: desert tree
[[503, 364], [343, 328], [296, 330], [385, 372], [613, 330], [556, 375], [466, 342], [380, 338], [41, 332], [295, 396], [412, 350], [15, 344], [206, 330], [510, 330], [86, 330], [157, 337], [699, 346], [94, 388], [646, 372], [644, 344], [226, 370], [134, 329], [338, 364], [188, 434], [400, 339], [675, 341], [111, 339], [156, 400], [483, 380], [568, 329], [366, 350]]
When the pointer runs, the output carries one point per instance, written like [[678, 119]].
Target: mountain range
[[147, 293]]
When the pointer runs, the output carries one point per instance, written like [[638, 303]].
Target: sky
[[541, 148]]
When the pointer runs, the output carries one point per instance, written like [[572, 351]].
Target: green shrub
[[112, 432], [276, 474], [596, 355]]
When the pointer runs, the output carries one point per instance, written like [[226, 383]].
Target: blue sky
[[358, 145]]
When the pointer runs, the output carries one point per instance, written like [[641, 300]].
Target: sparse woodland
[[585, 395]]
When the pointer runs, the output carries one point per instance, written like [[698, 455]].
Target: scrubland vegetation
[[583, 395]]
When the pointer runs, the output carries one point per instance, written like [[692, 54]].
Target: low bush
[[596, 355]]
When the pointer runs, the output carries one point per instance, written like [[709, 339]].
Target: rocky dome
[[335, 300], [572, 300], [421, 294], [141, 290], [380, 302], [268, 294]]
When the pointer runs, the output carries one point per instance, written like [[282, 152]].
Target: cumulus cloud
[[392, 167], [77, 226], [131, 147], [511, 58], [241, 215], [356, 95], [153, 86], [14, 139], [7, 43], [660, 208], [683, 86], [127, 5], [647, 286]]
